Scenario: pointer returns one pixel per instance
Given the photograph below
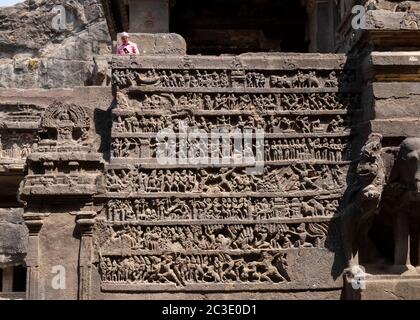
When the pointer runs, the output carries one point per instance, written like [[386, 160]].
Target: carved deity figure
[[66, 122]]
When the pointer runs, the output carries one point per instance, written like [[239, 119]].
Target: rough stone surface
[[13, 235], [149, 16], [36, 55], [166, 43], [385, 288]]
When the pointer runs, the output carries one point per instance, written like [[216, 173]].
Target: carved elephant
[[405, 182], [406, 170]]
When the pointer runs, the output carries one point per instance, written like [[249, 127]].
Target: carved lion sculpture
[[404, 202], [363, 201]]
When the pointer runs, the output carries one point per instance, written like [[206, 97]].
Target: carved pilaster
[[321, 24], [34, 223], [64, 171], [85, 221]]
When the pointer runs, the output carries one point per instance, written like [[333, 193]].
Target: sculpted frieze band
[[207, 78], [326, 149], [17, 145], [220, 208], [20, 116], [269, 123], [309, 101], [294, 178], [181, 270], [205, 237]]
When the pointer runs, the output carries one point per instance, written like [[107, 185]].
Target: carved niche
[[63, 163], [66, 122]]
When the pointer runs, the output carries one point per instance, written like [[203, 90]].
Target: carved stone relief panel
[[62, 162], [214, 226], [18, 130], [221, 208]]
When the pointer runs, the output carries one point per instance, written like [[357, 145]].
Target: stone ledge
[[392, 66], [396, 100], [159, 43], [13, 296], [388, 58], [403, 127], [387, 287], [266, 61], [385, 90]]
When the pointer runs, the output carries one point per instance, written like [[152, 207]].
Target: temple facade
[[259, 149]]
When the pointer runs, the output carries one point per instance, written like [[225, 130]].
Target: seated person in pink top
[[127, 47]]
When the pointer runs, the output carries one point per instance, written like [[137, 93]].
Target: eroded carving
[[299, 177], [183, 239], [182, 270], [309, 101], [224, 208], [363, 202], [403, 194], [202, 78], [17, 145], [198, 226], [66, 122]]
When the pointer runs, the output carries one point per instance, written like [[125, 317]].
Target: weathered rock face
[[13, 237], [43, 48]]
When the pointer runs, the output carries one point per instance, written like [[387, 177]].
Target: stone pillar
[[34, 223], [312, 25], [7, 279], [149, 28], [149, 16], [74, 175], [85, 221], [321, 25]]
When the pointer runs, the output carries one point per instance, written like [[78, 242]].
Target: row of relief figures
[[182, 270], [232, 123], [123, 78], [294, 179], [221, 208], [207, 237], [291, 149], [293, 102], [17, 146], [207, 254]]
